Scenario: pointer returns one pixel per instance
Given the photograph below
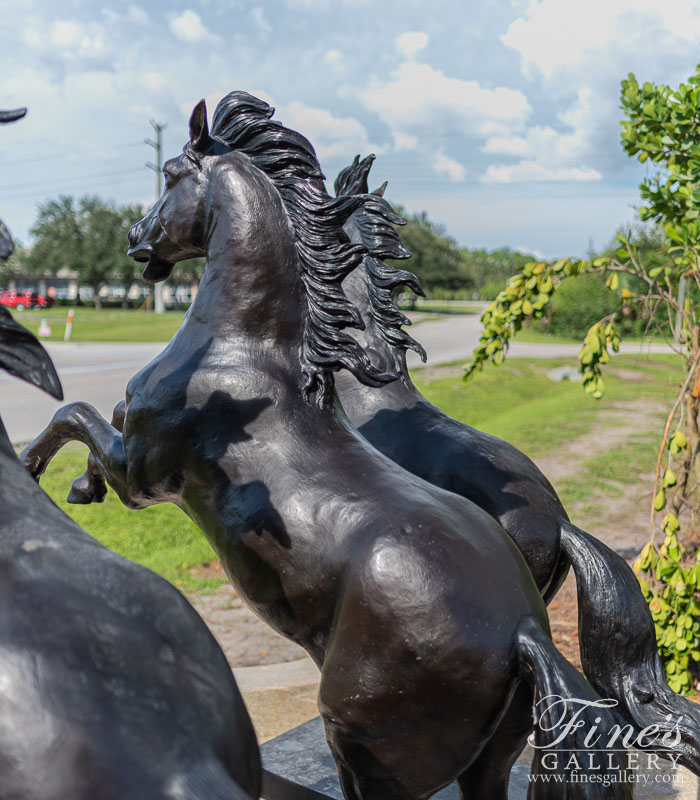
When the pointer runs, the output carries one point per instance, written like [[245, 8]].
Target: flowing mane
[[325, 256], [375, 220]]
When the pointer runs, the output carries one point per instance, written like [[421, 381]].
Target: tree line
[[88, 237], [447, 270]]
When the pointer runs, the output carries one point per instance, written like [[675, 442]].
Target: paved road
[[98, 373]]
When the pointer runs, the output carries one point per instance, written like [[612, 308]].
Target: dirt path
[[620, 522], [626, 419], [244, 638]]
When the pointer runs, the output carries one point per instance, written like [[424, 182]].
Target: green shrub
[[583, 300]]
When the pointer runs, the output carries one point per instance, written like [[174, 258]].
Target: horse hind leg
[[90, 487], [487, 777]]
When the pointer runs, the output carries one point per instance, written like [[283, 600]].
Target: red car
[[25, 299]]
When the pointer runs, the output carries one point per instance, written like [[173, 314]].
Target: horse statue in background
[[112, 685], [420, 612], [617, 637], [6, 243]]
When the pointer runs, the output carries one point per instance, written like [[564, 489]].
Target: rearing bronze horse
[[616, 631], [417, 607]]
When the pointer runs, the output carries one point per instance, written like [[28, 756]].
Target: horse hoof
[[83, 495]]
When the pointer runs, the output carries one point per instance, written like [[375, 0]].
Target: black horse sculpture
[[616, 631], [111, 686], [6, 243], [419, 610]]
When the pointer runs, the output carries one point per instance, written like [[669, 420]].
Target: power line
[[74, 189], [59, 156], [70, 179]]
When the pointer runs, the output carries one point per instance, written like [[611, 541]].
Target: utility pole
[[157, 168]]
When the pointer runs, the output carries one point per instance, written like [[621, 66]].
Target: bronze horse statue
[[6, 243], [616, 631], [420, 612], [111, 685]]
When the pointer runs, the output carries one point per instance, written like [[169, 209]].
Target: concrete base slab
[[298, 766]]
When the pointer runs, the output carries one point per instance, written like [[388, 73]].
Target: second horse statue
[[429, 630]]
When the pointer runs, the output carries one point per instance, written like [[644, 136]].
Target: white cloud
[[134, 15], [188, 27], [419, 99], [332, 137], [409, 44], [404, 141], [530, 251], [325, 5], [554, 35], [257, 15], [153, 81], [507, 145], [548, 154], [535, 172], [335, 60], [444, 165], [71, 43]]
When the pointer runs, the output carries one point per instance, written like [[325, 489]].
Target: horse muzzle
[[157, 268], [143, 250]]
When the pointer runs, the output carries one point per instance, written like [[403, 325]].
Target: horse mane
[[375, 220], [242, 122]]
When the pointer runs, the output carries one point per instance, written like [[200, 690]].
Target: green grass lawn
[[161, 537], [107, 325], [516, 401]]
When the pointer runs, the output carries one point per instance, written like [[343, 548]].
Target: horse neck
[[251, 293]]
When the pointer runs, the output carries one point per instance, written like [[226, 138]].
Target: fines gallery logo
[[575, 745]]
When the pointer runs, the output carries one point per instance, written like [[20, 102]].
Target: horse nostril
[[134, 233]]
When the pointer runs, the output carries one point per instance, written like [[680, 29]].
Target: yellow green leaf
[[660, 500]]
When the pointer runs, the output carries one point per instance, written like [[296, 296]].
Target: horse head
[[249, 196], [173, 230], [374, 288]]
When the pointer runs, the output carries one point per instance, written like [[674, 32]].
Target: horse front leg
[[90, 487], [81, 422]]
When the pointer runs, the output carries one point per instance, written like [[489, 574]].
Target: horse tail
[[207, 780], [570, 721], [619, 653]]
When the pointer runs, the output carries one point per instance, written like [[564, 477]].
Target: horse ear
[[199, 129], [381, 189], [12, 116]]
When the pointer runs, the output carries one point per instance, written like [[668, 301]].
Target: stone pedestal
[[298, 766]]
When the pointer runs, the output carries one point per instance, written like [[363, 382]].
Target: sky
[[500, 118]]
